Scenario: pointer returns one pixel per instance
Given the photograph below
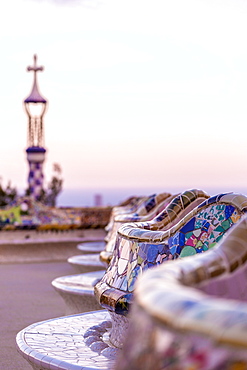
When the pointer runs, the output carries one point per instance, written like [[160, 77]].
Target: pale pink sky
[[141, 93]]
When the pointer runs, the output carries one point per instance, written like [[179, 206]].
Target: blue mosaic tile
[[153, 251], [189, 226]]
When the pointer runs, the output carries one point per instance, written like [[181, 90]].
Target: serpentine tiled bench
[[78, 290], [73, 342], [147, 210], [140, 247], [192, 313], [86, 263]]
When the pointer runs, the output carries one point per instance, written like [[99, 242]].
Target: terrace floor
[[27, 296]]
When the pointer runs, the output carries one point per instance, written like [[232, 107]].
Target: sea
[[112, 197]]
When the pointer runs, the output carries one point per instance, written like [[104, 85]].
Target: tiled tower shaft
[[35, 106]]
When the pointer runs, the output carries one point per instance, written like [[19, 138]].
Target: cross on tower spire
[[35, 68], [35, 96]]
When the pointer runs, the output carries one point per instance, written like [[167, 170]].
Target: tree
[[7, 195], [54, 186]]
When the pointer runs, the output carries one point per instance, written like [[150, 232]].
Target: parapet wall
[[26, 246]]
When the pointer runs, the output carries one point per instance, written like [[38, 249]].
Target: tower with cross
[[35, 106]]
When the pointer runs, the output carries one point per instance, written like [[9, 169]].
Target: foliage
[[8, 194], [54, 186]]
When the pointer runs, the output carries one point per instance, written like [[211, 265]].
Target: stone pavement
[[26, 297]]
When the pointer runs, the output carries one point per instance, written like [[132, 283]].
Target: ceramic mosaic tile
[[164, 210], [177, 326], [132, 204], [147, 210], [166, 349], [69, 343], [138, 249]]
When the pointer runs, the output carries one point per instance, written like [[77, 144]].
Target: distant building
[[35, 106], [98, 200]]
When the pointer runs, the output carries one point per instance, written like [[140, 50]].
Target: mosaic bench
[[139, 247], [74, 342], [86, 263], [146, 211], [78, 290], [192, 313]]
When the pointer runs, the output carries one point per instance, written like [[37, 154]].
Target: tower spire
[[35, 96], [35, 106]]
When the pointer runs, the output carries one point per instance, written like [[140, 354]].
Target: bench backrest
[[139, 248], [147, 209], [159, 211], [130, 206]]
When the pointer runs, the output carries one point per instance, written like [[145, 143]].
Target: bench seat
[[77, 342], [78, 291], [92, 246], [86, 262]]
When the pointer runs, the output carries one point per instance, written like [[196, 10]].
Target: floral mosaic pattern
[[203, 231], [198, 233], [173, 211]]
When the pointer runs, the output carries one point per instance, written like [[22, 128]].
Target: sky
[[142, 94]]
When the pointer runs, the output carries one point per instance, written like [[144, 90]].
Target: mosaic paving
[[138, 250], [70, 343]]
